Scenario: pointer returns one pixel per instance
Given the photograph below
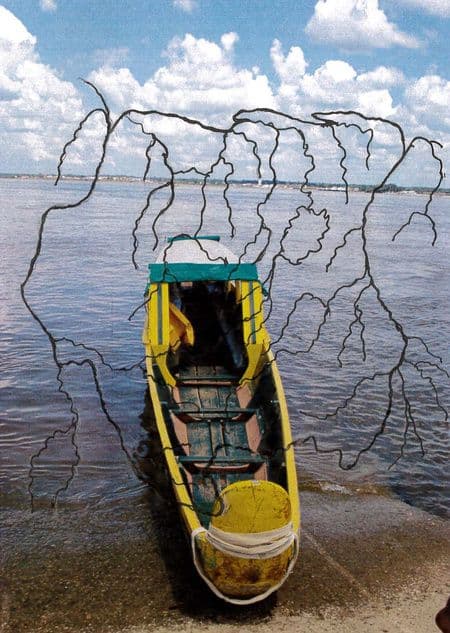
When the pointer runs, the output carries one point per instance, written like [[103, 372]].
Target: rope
[[261, 546], [252, 545]]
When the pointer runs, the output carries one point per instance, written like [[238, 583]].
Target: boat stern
[[250, 546]]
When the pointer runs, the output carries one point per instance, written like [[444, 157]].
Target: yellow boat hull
[[222, 419]]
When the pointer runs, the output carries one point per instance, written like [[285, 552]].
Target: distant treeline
[[388, 188]]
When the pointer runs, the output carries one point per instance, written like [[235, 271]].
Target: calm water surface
[[85, 288]]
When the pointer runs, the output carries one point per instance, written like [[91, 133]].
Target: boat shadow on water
[[190, 594]]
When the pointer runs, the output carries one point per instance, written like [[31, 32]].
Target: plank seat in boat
[[213, 460], [222, 464], [189, 379], [237, 414]]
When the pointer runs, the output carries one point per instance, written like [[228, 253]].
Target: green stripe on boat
[[177, 272], [177, 238]]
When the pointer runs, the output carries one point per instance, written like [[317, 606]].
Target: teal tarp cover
[[179, 238], [176, 272]]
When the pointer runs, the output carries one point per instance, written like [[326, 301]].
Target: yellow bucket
[[250, 547]]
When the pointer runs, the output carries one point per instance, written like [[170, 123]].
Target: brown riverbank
[[368, 563]]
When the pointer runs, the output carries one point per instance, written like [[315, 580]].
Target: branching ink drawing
[[260, 136]]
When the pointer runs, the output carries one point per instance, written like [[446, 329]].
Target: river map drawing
[[356, 281]]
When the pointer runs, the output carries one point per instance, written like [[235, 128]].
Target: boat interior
[[222, 431]]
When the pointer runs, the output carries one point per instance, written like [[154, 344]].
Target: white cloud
[[428, 99], [382, 76], [37, 108], [13, 33], [376, 102], [121, 89], [228, 40], [185, 5], [199, 79], [48, 5], [435, 7], [289, 68], [355, 24], [335, 84]]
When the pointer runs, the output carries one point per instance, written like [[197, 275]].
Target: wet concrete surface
[[128, 564]]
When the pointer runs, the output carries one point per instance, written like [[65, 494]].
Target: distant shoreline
[[391, 188]]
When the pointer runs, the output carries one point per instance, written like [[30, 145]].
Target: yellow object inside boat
[[250, 545], [251, 506], [181, 330]]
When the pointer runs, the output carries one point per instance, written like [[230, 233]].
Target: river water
[[85, 288]]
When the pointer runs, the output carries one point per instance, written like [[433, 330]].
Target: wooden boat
[[222, 417]]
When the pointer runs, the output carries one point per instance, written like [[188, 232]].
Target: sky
[[207, 59]]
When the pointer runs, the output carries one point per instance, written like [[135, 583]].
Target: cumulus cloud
[[199, 79], [14, 34], [289, 68], [228, 40], [331, 83], [334, 84], [48, 5], [16, 45], [435, 7], [185, 5], [356, 24], [376, 103], [122, 90], [428, 98], [382, 76], [37, 108]]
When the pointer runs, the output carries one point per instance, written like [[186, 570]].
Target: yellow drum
[[250, 546]]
